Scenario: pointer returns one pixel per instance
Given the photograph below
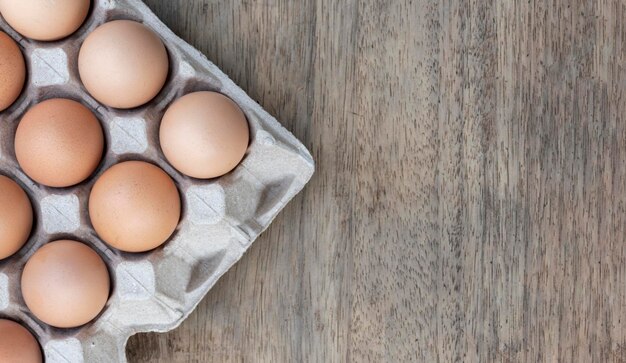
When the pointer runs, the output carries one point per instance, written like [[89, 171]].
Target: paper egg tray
[[154, 291]]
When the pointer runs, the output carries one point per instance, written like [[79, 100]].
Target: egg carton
[[154, 291]]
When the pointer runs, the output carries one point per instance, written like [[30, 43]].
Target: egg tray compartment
[[157, 290]]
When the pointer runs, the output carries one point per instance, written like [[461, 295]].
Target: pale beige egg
[[45, 20], [204, 135], [123, 64]]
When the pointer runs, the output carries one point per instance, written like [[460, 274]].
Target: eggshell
[[45, 19], [204, 135], [59, 143], [17, 344], [123, 64], [65, 284], [134, 206], [12, 71], [16, 217]]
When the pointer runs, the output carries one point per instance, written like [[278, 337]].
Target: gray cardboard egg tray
[[154, 291]]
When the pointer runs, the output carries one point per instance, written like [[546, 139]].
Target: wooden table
[[470, 197]]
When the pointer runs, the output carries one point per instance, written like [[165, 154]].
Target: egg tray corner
[[154, 291]]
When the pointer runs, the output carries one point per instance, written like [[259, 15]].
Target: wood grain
[[470, 198]]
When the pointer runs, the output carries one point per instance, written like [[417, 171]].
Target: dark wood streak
[[470, 197]]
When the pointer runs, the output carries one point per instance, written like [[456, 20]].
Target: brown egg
[[44, 19], [204, 135], [17, 344], [123, 64], [16, 217], [12, 71], [65, 284], [59, 143], [134, 206]]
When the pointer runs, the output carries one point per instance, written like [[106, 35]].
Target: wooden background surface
[[470, 198]]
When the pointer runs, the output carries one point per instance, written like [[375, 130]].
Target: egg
[[134, 206], [59, 143], [17, 344], [16, 217], [204, 135], [123, 64], [45, 20], [12, 71], [65, 284]]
